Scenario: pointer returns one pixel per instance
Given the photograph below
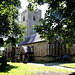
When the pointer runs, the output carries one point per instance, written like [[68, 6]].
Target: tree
[[59, 20], [9, 26]]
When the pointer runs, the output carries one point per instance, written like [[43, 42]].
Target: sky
[[24, 3]]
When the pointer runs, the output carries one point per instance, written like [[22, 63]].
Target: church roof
[[26, 49], [31, 39]]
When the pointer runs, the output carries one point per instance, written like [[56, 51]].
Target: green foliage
[[9, 26], [1, 41], [59, 20]]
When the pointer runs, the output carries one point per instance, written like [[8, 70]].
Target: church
[[36, 49]]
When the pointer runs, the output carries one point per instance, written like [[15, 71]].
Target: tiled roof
[[31, 39]]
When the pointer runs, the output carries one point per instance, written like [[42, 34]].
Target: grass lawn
[[25, 69], [70, 65]]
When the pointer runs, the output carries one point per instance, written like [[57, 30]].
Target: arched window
[[34, 18], [23, 18]]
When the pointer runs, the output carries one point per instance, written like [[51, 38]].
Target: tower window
[[34, 18], [23, 18]]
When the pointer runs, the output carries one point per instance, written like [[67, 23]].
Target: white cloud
[[2, 48], [43, 8], [24, 3]]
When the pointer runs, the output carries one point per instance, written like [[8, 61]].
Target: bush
[[25, 60], [13, 59], [8, 60], [4, 60], [18, 60]]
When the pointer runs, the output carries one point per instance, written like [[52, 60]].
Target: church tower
[[29, 19]]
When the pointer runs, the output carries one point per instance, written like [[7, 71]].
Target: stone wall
[[40, 48], [41, 51], [42, 59], [37, 15], [29, 21], [72, 53], [72, 50]]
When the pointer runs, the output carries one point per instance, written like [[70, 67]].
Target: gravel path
[[54, 65], [53, 73]]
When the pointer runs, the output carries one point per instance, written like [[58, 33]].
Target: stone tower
[[29, 19]]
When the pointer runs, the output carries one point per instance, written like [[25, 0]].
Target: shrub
[[18, 60], [8, 60], [4, 60]]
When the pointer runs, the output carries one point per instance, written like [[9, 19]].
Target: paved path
[[54, 65]]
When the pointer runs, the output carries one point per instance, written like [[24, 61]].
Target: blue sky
[[24, 3]]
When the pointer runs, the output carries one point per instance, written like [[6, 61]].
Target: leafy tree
[[9, 26], [59, 20]]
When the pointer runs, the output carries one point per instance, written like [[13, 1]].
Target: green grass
[[25, 69], [70, 65]]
